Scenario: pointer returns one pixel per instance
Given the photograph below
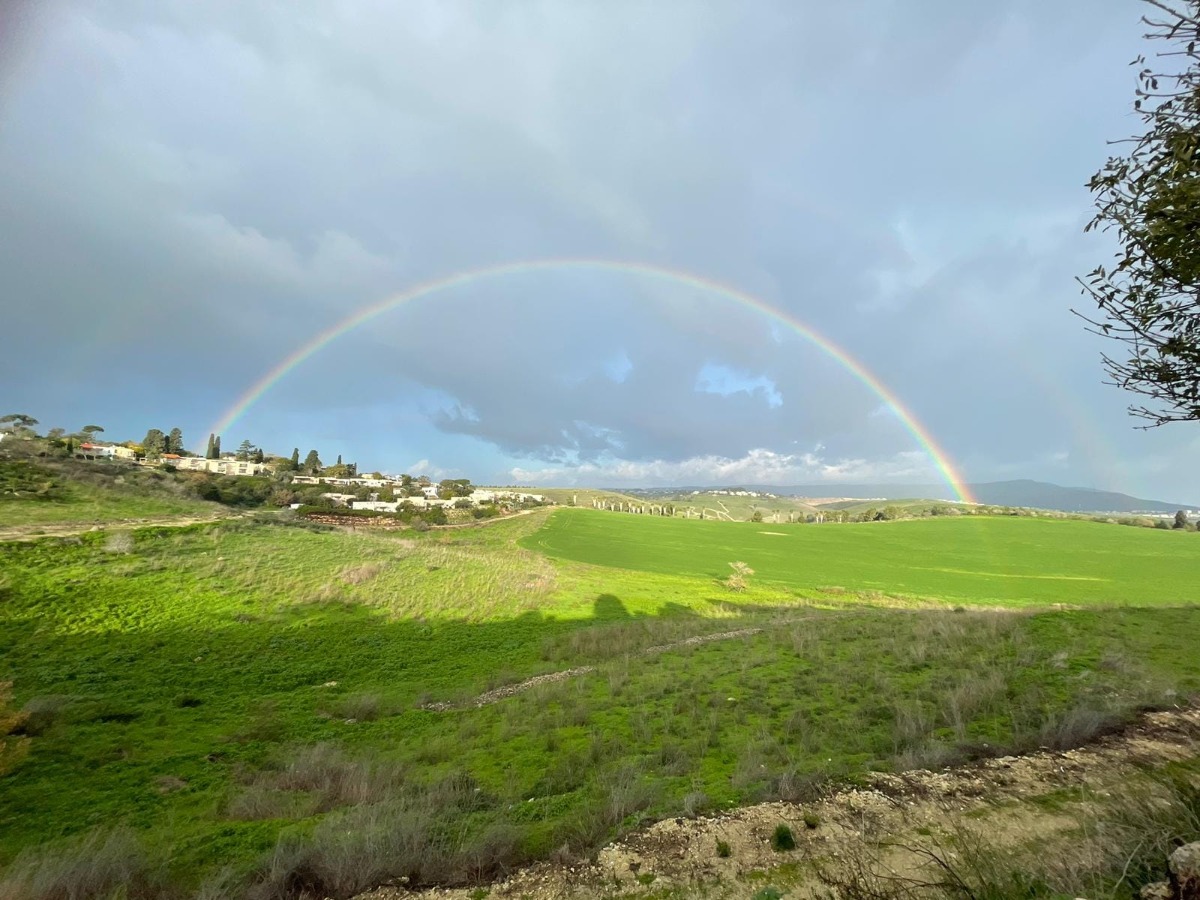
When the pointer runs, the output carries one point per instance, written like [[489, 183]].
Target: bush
[[98, 865], [723, 850], [782, 838], [40, 714]]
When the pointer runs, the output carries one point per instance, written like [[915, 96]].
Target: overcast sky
[[191, 191]]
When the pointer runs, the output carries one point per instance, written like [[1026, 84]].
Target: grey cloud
[[203, 187]]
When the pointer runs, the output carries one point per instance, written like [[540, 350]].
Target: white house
[[219, 466]]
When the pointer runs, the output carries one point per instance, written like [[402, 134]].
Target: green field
[[247, 698], [982, 560]]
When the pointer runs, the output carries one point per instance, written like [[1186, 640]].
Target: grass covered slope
[[960, 560], [247, 699], [42, 492]]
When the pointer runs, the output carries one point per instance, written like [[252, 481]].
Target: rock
[[1184, 865], [1159, 890]]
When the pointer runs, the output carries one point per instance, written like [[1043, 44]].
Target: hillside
[[1023, 492]]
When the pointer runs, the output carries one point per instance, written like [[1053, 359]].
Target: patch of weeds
[[782, 838], [770, 892], [40, 715], [723, 849]]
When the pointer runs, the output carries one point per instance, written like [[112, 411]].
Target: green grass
[[243, 691], [958, 560], [83, 493]]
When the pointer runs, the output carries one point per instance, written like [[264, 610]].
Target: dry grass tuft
[[101, 864], [360, 573]]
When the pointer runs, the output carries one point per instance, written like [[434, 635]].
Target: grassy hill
[[266, 709], [968, 560], [47, 492]]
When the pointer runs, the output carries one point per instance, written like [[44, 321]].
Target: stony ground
[[679, 857]]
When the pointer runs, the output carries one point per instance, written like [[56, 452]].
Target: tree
[[1150, 197], [245, 449], [175, 441], [217, 447], [91, 431], [312, 463], [295, 459], [18, 421], [154, 443], [1181, 519], [258, 455], [210, 451]]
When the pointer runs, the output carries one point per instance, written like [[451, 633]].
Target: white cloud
[[759, 466]]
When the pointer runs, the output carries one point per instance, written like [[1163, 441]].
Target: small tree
[[312, 463], [1181, 519], [740, 579], [757, 516]]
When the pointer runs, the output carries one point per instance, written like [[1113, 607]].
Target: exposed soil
[[682, 853]]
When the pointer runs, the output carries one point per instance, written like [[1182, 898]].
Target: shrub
[[695, 803], [723, 850], [119, 542], [40, 714], [740, 579], [782, 838], [99, 865]]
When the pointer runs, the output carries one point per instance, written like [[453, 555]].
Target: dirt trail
[[510, 690], [682, 853], [67, 529]]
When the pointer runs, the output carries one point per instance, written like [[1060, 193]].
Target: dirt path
[[67, 529], [511, 690], [681, 854]]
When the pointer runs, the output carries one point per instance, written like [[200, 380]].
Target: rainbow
[[449, 282]]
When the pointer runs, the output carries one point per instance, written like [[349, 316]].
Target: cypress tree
[[296, 459], [208, 454], [217, 447]]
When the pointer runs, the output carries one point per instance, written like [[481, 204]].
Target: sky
[[192, 192]]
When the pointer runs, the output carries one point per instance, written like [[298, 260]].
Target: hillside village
[[290, 481]]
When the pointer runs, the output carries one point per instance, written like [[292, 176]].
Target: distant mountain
[[1038, 494]]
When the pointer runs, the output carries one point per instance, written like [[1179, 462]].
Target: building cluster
[[424, 493]]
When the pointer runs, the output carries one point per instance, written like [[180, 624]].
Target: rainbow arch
[[438, 285]]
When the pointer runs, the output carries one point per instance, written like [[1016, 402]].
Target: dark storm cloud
[[200, 188]]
